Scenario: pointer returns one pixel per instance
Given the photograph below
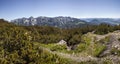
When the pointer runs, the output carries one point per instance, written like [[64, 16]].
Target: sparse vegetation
[[80, 48], [98, 49], [115, 51], [105, 40], [107, 61]]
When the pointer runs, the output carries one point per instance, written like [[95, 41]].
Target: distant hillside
[[5, 23], [97, 21], [61, 22]]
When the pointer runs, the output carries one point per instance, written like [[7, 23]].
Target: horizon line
[[58, 16]]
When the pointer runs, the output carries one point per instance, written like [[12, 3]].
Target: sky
[[12, 9]]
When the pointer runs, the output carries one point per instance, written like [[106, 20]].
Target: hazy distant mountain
[[62, 22], [97, 21]]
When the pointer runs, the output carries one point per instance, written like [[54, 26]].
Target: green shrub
[[81, 47], [58, 48], [87, 40], [98, 49]]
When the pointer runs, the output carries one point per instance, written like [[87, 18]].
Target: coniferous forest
[[38, 44]]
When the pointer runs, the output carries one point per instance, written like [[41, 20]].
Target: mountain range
[[97, 21], [64, 22]]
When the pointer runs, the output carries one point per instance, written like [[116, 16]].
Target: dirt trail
[[113, 42], [70, 56], [76, 58]]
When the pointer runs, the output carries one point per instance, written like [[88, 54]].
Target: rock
[[62, 42], [69, 48]]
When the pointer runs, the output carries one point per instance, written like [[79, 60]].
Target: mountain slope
[[62, 22], [97, 21]]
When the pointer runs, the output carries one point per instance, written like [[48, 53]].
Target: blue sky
[[12, 9]]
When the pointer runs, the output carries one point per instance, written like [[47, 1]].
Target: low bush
[[98, 49], [115, 51]]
